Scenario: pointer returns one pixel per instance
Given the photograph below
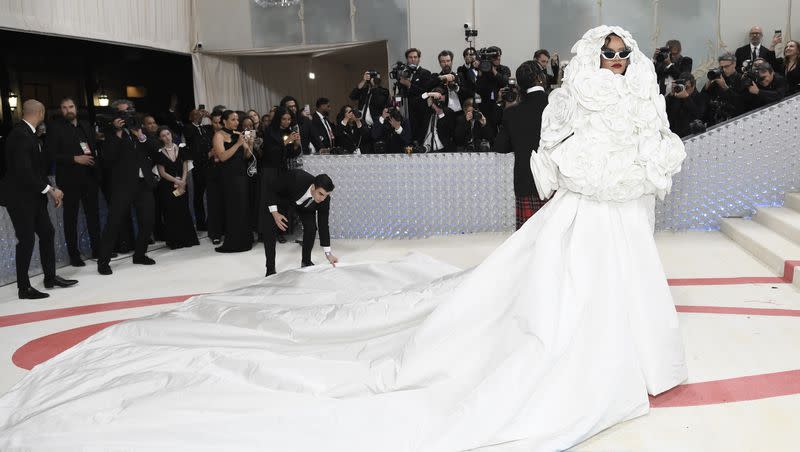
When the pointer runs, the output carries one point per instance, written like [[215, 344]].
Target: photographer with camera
[[762, 87], [412, 82], [391, 135], [722, 91], [351, 132], [542, 56], [468, 72], [755, 50], [670, 64], [132, 184], [372, 98], [441, 122], [450, 81], [471, 134], [520, 134], [492, 77], [685, 106]]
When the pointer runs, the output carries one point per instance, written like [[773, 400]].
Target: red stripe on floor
[[725, 281], [38, 316], [788, 270], [739, 389], [738, 311], [40, 350]]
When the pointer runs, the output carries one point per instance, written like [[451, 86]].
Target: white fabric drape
[[164, 25], [217, 80]]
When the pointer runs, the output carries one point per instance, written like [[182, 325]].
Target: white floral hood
[[606, 135]]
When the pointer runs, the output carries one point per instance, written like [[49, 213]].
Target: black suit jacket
[[773, 92], [350, 137], [488, 84], [674, 70], [469, 132], [287, 187], [520, 134], [395, 143], [378, 98], [125, 157], [445, 128], [198, 141], [421, 82], [469, 79], [743, 53], [26, 168], [682, 111], [64, 143], [319, 134]]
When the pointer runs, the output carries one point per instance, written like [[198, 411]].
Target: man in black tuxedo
[[372, 98], [132, 183], [72, 144], [754, 50], [770, 87], [311, 197], [488, 87], [520, 133], [25, 189], [392, 132], [198, 141], [441, 123], [420, 81], [449, 81], [468, 74], [321, 129], [471, 134]]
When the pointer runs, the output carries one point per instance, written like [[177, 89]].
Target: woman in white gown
[[561, 333]]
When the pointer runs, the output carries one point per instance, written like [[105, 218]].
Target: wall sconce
[[312, 75], [12, 100], [102, 100]]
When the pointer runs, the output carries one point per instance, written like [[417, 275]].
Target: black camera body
[[679, 86], [130, 118], [357, 113], [373, 73], [750, 75], [485, 56], [663, 53], [509, 94], [401, 70], [714, 74], [395, 114]]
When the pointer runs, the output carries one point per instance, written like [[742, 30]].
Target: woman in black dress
[[173, 163], [233, 151], [281, 143], [788, 67], [350, 131]]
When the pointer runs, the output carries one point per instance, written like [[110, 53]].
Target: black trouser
[[139, 197], [125, 231], [309, 220], [199, 180], [158, 217], [216, 206], [29, 219], [87, 194]]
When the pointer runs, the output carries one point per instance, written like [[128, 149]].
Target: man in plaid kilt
[[520, 132]]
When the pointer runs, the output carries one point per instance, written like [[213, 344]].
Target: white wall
[[512, 25], [158, 24], [224, 24]]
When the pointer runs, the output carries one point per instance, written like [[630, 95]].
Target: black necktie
[[433, 130], [755, 54]]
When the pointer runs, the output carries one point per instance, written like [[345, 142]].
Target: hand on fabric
[[280, 221]]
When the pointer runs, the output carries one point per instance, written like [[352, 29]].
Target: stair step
[[782, 220], [792, 201], [762, 242]]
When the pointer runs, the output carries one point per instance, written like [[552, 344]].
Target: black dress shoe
[[76, 262], [269, 273], [104, 269], [31, 294], [143, 260], [306, 264], [58, 281]]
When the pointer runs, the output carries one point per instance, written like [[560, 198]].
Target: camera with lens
[[510, 93], [131, 121], [485, 56], [477, 115], [373, 73], [678, 86], [714, 74], [395, 114], [750, 76], [401, 70], [357, 113], [663, 53]]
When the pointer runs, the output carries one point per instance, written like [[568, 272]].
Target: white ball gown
[[560, 333]]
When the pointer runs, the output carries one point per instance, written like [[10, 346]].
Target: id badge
[[85, 148]]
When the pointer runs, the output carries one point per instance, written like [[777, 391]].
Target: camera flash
[[312, 75]]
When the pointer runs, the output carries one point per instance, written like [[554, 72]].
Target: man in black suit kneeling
[[311, 197]]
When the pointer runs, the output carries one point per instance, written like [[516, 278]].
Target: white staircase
[[773, 236]]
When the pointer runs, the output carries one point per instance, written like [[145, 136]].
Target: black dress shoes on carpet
[[143, 260], [31, 294], [306, 264], [58, 281], [103, 268], [76, 262]]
